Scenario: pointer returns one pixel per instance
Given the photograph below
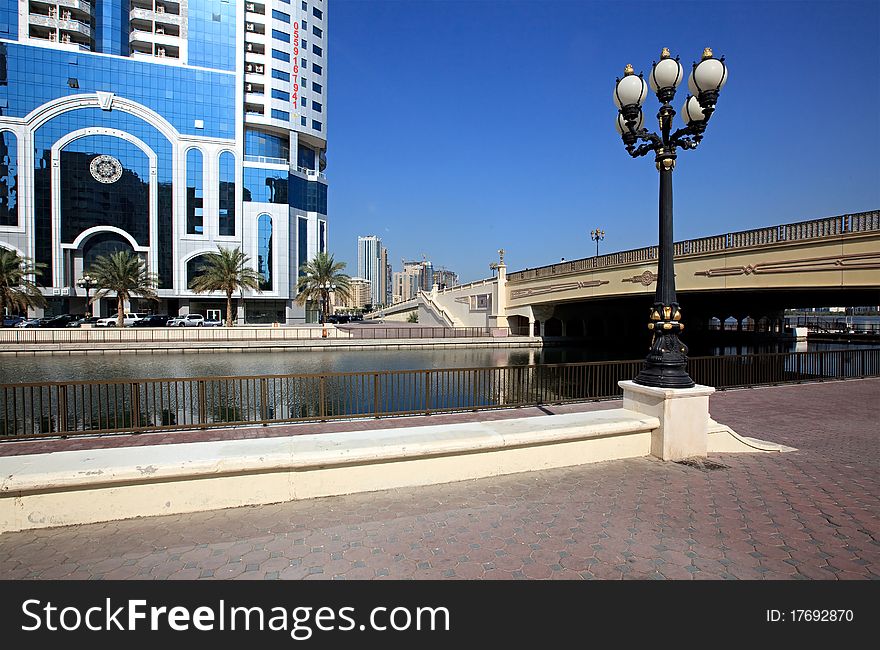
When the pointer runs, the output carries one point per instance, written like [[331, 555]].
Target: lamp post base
[[666, 364]]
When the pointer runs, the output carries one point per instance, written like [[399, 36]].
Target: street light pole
[[596, 235], [87, 282], [666, 363]]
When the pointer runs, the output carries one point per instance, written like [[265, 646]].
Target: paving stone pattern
[[809, 514]]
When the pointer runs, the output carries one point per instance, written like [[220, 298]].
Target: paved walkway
[[809, 514]]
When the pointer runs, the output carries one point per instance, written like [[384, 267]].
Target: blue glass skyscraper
[[168, 128]]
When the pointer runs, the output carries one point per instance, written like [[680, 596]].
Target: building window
[[316, 125], [318, 88], [303, 101], [317, 31], [317, 50], [281, 36], [280, 115], [317, 13], [8, 179], [303, 82], [278, 74], [194, 268], [322, 239], [305, 25], [303, 121], [264, 251], [305, 64], [316, 69], [281, 56], [258, 143], [302, 245], [194, 215], [316, 107], [305, 6], [280, 94], [227, 194], [280, 15]]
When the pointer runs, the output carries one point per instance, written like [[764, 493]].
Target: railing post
[[427, 392], [321, 406], [136, 405], [376, 394], [203, 404], [264, 397], [62, 409]]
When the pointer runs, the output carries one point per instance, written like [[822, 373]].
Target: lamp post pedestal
[[683, 414]]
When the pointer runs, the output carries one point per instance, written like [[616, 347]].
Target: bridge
[[751, 276]]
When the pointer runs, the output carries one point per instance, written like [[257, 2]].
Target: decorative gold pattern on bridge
[[853, 262], [647, 278], [554, 288]]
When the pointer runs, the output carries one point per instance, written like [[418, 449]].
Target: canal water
[[180, 365]]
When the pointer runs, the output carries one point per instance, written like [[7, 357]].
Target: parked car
[[30, 322], [189, 320], [128, 319], [213, 322], [12, 321], [338, 318], [153, 320], [85, 320], [57, 321]]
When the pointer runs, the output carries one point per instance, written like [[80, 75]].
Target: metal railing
[[406, 332], [802, 231], [33, 410], [114, 335], [832, 325]]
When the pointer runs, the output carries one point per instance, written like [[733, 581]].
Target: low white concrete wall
[[72, 487]]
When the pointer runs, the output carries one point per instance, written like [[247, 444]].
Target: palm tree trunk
[[120, 310], [2, 311], [228, 309]]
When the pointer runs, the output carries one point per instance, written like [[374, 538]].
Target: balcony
[[67, 25], [76, 6], [255, 8], [266, 160], [254, 48], [156, 16]]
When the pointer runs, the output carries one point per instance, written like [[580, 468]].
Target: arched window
[[103, 244], [194, 268], [264, 251], [8, 179], [195, 224], [714, 323], [227, 194]]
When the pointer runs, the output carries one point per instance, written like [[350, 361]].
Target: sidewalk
[[809, 514]]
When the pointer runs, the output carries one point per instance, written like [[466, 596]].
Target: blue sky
[[457, 128]]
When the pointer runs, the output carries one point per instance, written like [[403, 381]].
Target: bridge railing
[[802, 231], [46, 409]]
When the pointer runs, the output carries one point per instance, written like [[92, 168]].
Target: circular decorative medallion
[[106, 169]]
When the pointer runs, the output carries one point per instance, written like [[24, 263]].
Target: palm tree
[[226, 270], [125, 273], [18, 287], [320, 276]]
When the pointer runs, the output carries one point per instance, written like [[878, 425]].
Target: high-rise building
[[444, 278], [370, 265], [167, 128], [384, 278], [358, 295]]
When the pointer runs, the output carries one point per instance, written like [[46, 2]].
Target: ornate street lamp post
[[87, 282], [597, 235], [666, 363]]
